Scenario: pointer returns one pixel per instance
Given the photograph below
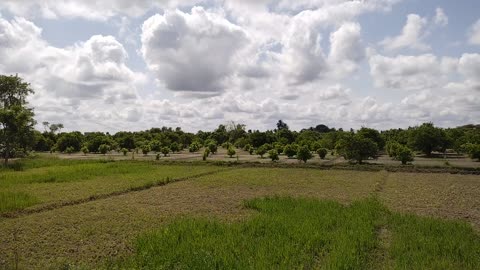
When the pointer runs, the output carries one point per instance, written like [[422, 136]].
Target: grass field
[[391, 220]]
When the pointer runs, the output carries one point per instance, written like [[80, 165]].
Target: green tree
[[290, 150], [103, 149], [194, 147], [357, 148], [231, 151], [428, 138], [146, 149], [16, 119], [84, 150], [404, 154], [70, 150], [262, 150], [304, 153], [175, 147], [165, 151], [374, 135], [473, 150], [71, 139], [124, 151], [273, 155], [212, 147], [322, 152]]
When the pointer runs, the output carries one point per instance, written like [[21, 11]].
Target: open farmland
[[122, 214]]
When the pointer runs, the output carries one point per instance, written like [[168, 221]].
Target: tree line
[[18, 137]]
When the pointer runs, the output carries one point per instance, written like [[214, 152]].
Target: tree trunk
[[7, 153]]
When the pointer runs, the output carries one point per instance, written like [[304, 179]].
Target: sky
[[117, 65]]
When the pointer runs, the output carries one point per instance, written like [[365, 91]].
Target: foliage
[[262, 150], [231, 151], [356, 147], [473, 150], [175, 147], [304, 153], [373, 135], [428, 138], [146, 149], [124, 151], [71, 139], [322, 152], [290, 150], [165, 151], [273, 155], [404, 154], [156, 146], [16, 119], [103, 149], [212, 147], [70, 150], [194, 147], [84, 150]]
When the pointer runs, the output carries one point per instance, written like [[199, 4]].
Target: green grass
[[52, 180], [308, 234], [427, 243], [15, 200], [288, 234]]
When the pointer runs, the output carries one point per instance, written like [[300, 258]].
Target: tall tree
[[16, 119]]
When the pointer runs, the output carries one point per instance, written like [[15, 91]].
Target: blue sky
[[132, 65]]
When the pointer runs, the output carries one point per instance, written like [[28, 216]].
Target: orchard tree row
[[18, 137]]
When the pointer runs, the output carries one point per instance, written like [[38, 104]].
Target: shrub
[[194, 147], [165, 151], [231, 151], [262, 150], [278, 147], [206, 152], [103, 149], [392, 148], [69, 150], [175, 147], [212, 148], [124, 151], [322, 153], [357, 148], [473, 150], [145, 149], [85, 150], [404, 154], [247, 147], [156, 146], [226, 145], [304, 153], [290, 150], [273, 155]]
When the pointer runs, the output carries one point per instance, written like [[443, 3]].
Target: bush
[[290, 150], [226, 145], [473, 150], [165, 151], [157, 157], [175, 147], [304, 153], [273, 155], [212, 148], [85, 150], [124, 151], [322, 153], [231, 151], [247, 147], [194, 147], [357, 148], [145, 149], [278, 147], [262, 150], [392, 148], [103, 149], [404, 154], [69, 150]]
